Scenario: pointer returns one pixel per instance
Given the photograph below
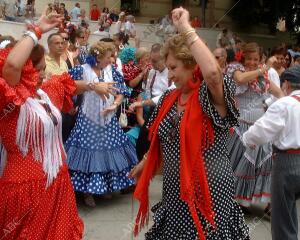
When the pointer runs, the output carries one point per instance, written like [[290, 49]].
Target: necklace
[[180, 103]]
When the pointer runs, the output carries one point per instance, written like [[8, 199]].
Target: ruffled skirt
[[99, 158], [30, 211], [252, 169], [234, 228]]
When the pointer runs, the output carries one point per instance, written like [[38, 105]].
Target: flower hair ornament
[[238, 56], [91, 58], [4, 44]]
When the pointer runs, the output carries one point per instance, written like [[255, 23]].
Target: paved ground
[[112, 218]]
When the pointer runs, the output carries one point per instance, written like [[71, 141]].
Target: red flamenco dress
[[37, 201]]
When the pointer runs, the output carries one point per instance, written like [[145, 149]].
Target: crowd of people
[[107, 117]]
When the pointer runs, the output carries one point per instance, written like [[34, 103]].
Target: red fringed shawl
[[196, 134]]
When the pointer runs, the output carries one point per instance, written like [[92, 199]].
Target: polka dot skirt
[[99, 158]]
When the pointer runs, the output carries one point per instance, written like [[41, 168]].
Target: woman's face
[[81, 39], [287, 61], [144, 61], [117, 42], [104, 61], [178, 73], [40, 67], [252, 61]]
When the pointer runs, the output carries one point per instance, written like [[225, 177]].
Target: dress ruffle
[[101, 183], [252, 169], [101, 161], [235, 228], [61, 89], [27, 212], [20, 92], [232, 115]]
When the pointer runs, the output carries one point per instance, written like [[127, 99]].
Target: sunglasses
[[49, 112], [218, 57], [66, 39]]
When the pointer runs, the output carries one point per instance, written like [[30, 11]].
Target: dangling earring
[[193, 84], [121, 46]]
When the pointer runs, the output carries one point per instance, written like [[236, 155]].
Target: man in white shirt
[[280, 125], [75, 12], [157, 81]]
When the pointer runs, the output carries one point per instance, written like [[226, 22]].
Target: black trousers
[[285, 190]]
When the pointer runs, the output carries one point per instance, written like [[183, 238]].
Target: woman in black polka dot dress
[[175, 217]]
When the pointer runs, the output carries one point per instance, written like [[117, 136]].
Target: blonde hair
[[122, 16], [177, 46], [141, 52], [101, 48]]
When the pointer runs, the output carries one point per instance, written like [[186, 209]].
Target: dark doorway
[[130, 6]]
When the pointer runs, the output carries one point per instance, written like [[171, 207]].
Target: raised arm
[[210, 69], [21, 52]]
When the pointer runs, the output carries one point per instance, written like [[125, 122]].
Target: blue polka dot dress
[[99, 157]]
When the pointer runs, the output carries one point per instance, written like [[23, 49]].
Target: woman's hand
[[136, 172], [181, 19], [135, 105], [104, 89], [110, 109], [46, 23], [271, 61]]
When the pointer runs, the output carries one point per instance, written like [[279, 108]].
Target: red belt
[[293, 151], [289, 151]]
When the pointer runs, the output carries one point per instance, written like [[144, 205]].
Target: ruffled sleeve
[[230, 70], [118, 78], [61, 89], [232, 112], [19, 93], [76, 72]]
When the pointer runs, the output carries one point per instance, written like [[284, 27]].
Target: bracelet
[[36, 29], [193, 41], [188, 32], [259, 72], [91, 86], [32, 36]]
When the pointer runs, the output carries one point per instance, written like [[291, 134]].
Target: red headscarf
[[194, 188]]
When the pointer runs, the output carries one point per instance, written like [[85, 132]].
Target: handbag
[[123, 121]]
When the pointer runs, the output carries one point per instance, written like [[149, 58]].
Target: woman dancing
[[188, 130], [36, 195]]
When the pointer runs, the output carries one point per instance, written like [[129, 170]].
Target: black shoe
[[267, 213], [245, 210]]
